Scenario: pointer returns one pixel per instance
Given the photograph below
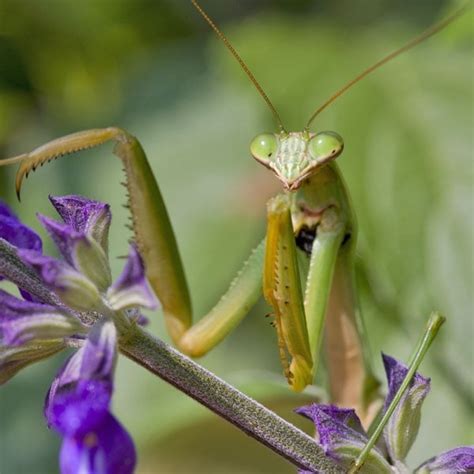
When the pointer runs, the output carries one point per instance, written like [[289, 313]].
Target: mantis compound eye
[[325, 145], [264, 146]]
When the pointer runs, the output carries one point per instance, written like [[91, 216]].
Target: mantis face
[[294, 156]]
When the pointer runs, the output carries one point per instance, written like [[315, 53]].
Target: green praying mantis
[[304, 267]]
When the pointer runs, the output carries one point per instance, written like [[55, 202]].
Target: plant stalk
[[226, 401], [434, 324]]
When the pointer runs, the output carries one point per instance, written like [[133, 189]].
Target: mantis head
[[295, 156]]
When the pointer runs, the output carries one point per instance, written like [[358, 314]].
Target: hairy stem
[[243, 412]]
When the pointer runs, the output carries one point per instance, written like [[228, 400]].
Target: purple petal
[[333, 421], [342, 436], [68, 375], [50, 269], [16, 270], [106, 450], [132, 288], [80, 408], [18, 234], [100, 353], [39, 326], [73, 288], [6, 211], [81, 252], [453, 461], [396, 371], [22, 321], [27, 296], [63, 235], [84, 215], [12, 307], [80, 395], [402, 428]]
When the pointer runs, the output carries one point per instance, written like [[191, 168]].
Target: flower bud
[[402, 428]]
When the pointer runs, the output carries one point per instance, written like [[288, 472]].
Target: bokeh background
[[155, 68]]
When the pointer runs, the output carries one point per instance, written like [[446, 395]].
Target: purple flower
[[455, 460], [78, 405], [402, 428], [341, 435], [18, 234], [23, 321], [86, 310]]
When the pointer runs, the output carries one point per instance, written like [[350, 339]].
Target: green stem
[[243, 412], [434, 323]]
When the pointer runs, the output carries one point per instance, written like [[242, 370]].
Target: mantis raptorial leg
[[154, 236], [312, 220]]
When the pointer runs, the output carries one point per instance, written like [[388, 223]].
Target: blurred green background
[[154, 68]]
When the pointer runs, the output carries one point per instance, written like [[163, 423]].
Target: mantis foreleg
[[282, 290], [157, 244]]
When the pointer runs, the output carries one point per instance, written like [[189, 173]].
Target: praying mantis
[[304, 267]]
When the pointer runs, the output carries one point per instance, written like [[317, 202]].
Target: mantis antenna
[[415, 41], [241, 62]]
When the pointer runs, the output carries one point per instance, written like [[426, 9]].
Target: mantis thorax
[[296, 155]]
